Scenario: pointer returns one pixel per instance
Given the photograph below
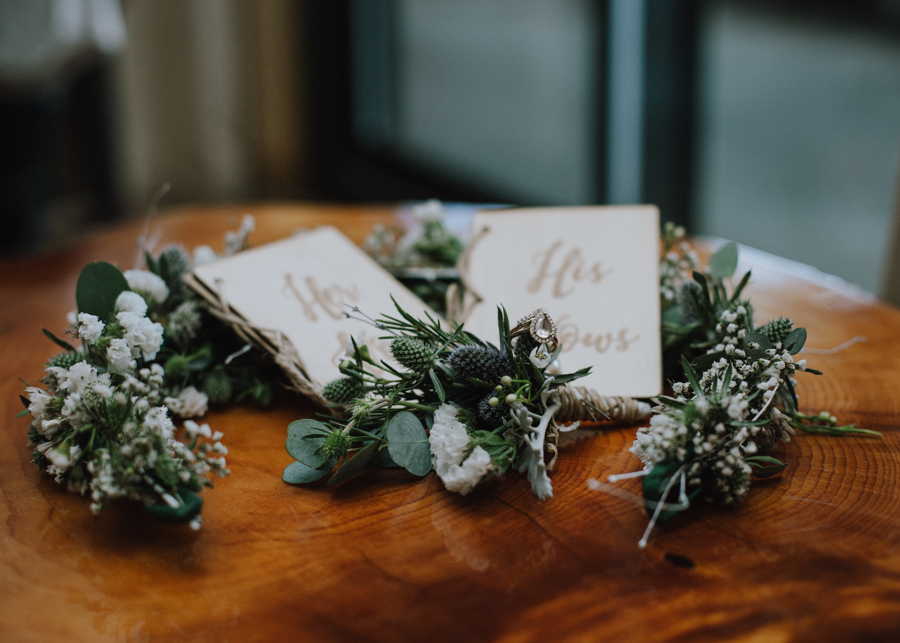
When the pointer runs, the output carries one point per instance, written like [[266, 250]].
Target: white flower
[[131, 302], [38, 407], [118, 355], [142, 334], [204, 254], [89, 327], [147, 283], [428, 212], [448, 439], [463, 478], [189, 403], [540, 356], [78, 377]]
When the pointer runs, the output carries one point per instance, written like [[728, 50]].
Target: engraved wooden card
[[593, 269], [289, 298]]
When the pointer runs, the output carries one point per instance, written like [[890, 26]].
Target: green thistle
[[413, 354], [217, 385], [343, 390], [65, 360], [479, 362], [177, 367], [777, 330], [335, 445]]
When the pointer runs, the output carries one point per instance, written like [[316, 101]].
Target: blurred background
[[775, 123]]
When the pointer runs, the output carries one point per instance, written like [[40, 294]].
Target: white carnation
[[89, 327], [448, 439], [78, 377], [147, 283], [143, 335], [118, 355], [463, 478], [131, 302], [38, 399]]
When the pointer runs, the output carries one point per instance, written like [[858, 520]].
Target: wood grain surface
[[811, 556]]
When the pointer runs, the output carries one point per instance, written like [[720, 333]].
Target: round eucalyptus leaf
[[724, 262], [304, 441], [408, 443], [99, 285], [795, 341], [299, 473]]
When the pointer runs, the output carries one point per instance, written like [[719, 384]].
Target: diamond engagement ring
[[540, 327]]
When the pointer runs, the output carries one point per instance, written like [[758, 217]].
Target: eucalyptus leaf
[[408, 443], [299, 473], [99, 284], [724, 262], [304, 441], [795, 341], [354, 465]]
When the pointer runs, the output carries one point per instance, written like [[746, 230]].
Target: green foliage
[[408, 443], [99, 284]]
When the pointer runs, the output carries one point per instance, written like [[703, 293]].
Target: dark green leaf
[[408, 443], [691, 375], [98, 287], [438, 387], [813, 371], [795, 340], [740, 287], [760, 351], [705, 362], [768, 472], [354, 465], [191, 504], [383, 460], [59, 342], [25, 401], [299, 473], [724, 262], [760, 460]]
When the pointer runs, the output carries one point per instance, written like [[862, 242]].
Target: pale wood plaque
[[593, 269], [290, 297]]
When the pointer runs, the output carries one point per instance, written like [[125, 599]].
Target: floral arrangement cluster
[[462, 406], [102, 423], [739, 399]]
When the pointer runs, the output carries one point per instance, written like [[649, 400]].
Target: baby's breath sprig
[[465, 407], [102, 423], [739, 401]]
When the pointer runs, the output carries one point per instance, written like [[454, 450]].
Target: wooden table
[[810, 556]]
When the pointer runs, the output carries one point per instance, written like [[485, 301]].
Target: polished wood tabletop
[[812, 555]]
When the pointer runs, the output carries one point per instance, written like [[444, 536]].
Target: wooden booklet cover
[[594, 270], [290, 297]]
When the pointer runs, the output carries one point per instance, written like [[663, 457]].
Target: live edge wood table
[[810, 556]]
